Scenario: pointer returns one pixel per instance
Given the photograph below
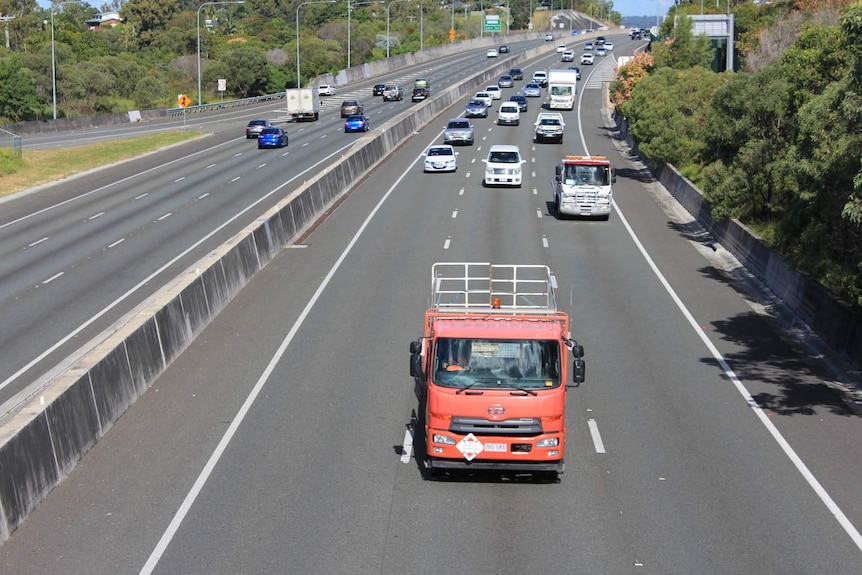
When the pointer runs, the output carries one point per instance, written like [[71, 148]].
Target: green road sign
[[493, 24]]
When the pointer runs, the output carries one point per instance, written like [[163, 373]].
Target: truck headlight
[[549, 442], [444, 439], [516, 171]]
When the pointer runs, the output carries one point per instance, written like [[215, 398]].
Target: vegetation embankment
[[150, 50], [36, 167], [776, 145]]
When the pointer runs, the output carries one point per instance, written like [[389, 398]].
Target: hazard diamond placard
[[470, 446]]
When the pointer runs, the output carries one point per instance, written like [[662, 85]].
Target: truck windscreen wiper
[[525, 390]]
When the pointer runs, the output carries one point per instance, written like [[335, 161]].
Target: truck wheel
[[557, 213]]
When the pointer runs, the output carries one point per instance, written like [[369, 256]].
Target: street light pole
[[198, 24], [421, 25], [349, 10], [301, 4], [388, 5], [53, 61]]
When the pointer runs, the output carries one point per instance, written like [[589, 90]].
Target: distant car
[[476, 109], [577, 71], [600, 51], [441, 158], [272, 138], [562, 48], [495, 92], [549, 37], [419, 94], [600, 41], [326, 90], [588, 46], [568, 56], [421, 83], [391, 92], [540, 77], [356, 123], [509, 114], [377, 90], [458, 131], [255, 127], [485, 97], [351, 107], [519, 99], [506, 81], [491, 53], [586, 59], [609, 46], [504, 49], [532, 90], [575, 32], [516, 74]]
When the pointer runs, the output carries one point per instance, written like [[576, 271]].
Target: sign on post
[[183, 101], [492, 23], [222, 84]]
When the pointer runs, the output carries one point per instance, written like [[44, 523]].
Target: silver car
[[458, 131], [532, 90], [506, 81]]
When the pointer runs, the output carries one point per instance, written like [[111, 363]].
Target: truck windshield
[[497, 363], [587, 175], [561, 90]]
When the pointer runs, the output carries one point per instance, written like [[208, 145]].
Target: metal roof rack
[[474, 286]]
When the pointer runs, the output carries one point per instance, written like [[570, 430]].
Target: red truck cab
[[492, 363]]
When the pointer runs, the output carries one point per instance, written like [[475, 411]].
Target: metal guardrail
[[226, 104], [10, 140]]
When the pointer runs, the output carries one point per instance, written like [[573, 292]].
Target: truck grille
[[478, 426]]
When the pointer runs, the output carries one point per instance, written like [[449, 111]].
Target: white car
[[503, 166], [326, 90], [441, 158], [485, 97], [561, 48], [600, 51], [491, 53], [540, 77], [568, 56], [509, 114], [495, 91], [549, 37], [609, 46], [587, 59], [588, 46]]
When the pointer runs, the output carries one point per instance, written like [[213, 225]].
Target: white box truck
[[303, 104], [562, 86]]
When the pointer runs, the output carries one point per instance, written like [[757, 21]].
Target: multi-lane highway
[[703, 440], [80, 255]]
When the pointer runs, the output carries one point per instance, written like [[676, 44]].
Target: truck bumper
[[524, 466], [585, 210]]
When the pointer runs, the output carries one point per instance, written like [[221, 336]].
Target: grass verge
[[36, 167]]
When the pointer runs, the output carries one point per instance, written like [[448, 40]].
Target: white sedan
[[586, 59], [492, 53], [495, 91], [609, 46], [326, 90], [441, 158], [562, 48]]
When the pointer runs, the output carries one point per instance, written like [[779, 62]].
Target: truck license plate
[[496, 447]]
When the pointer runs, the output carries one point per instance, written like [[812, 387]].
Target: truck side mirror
[[578, 350], [415, 358], [579, 370], [613, 175], [558, 170]]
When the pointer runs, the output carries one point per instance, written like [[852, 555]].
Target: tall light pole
[[349, 10], [388, 5], [421, 25], [301, 4], [53, 60], [198, 22]]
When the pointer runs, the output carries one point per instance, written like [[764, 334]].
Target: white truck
[[303, 104], [549, 126], [583, 187], [562, 85]]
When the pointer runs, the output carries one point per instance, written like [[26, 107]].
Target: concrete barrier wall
[[829, 317], [65, 415]]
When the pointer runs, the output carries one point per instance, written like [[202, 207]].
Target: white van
[[509, 114], [503, 166]]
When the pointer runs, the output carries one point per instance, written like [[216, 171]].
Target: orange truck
[[493, 372]]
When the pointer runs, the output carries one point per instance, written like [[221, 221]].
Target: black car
[[521, 100], [516, 74], [377, 90], [419, 94], [577, 70], [504, 49]]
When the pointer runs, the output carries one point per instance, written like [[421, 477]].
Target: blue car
[[356, 123], [272, 138], [533, 90]]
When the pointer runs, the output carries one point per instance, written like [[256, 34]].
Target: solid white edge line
[[764, 419], [597, 438], [196, 489]]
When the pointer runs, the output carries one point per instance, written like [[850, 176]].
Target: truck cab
[[493, 369], [583, 186]]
